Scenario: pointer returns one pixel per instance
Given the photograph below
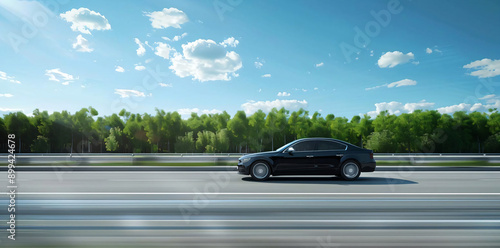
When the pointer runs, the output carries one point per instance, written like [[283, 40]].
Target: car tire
[[349, 170], [260, 171]]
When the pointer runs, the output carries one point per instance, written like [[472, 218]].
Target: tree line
[[84, 131]]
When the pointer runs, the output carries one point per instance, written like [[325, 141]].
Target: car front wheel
[[349, 171], [260, 171]]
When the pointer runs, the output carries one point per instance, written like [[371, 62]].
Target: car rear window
[[330, 145]]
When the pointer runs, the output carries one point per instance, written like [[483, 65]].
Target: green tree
[[238, 126], [18, 123], [299, 123], [185, 143], [479, 128], [112, 141], [319, 126], [256, 124], [364, 129], [381, 141], [41, 144]]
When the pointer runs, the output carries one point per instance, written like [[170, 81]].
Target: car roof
[[324, 139]]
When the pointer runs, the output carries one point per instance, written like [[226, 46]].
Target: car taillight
[[371, 155]]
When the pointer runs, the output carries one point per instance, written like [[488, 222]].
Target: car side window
[[304, 146], [330, 145]]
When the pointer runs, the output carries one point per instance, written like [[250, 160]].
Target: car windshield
[[285, 146]]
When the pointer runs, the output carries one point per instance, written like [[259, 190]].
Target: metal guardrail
[[219, 158]]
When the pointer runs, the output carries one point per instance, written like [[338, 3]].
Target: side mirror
[[290, 150]]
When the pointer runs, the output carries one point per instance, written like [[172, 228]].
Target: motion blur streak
[[399, 209]]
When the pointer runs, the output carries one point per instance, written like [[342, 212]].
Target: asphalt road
[[224, 209]]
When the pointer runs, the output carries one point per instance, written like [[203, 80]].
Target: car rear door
[[328, 155]]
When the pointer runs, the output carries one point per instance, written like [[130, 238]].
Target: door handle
[[310, 156]]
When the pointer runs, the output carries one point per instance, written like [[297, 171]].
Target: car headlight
[[244, 160]]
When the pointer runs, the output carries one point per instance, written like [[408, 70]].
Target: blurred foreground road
[[224, 209]]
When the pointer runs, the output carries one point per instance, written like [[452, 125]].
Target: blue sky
[[340, 57]]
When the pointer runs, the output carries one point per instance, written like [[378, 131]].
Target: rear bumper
[[369, 167]]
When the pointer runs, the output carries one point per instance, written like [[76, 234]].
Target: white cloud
[[186, 112], [430, 50], [251, 107], [147, 44], [404, 82], [163, 50], [171, 17], [58, 76], [231, 41], [492, 103], [454, 108], [82, 45], [259, 63], [8, 78], [176, 38], [484, 68], [165, 85], [391, 59], [266, 75], [410, 107], [84, 20], [6, 95], [140, 68], [10, 110], [141, 50], [398, 107], [316, 88], [284, 93], [376, 87], [371, 53], [487, 97], [124, 93], [119, 69], [205, 60], [320, 64], [297, 89]]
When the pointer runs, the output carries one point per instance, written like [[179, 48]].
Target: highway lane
[[224, 209]]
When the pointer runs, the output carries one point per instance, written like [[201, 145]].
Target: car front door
[[298, 159]]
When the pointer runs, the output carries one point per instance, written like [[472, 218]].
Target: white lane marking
[[327, 221], [154, 180], [367, 174], [250, 193]]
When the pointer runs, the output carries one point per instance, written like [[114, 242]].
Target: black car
[[311, 156]]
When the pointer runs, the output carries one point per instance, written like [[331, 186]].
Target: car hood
[[258, 154]]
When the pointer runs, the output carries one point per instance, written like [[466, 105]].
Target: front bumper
[[242, 169]]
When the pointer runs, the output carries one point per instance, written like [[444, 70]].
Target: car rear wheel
[[349, 171], [260, 171]]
